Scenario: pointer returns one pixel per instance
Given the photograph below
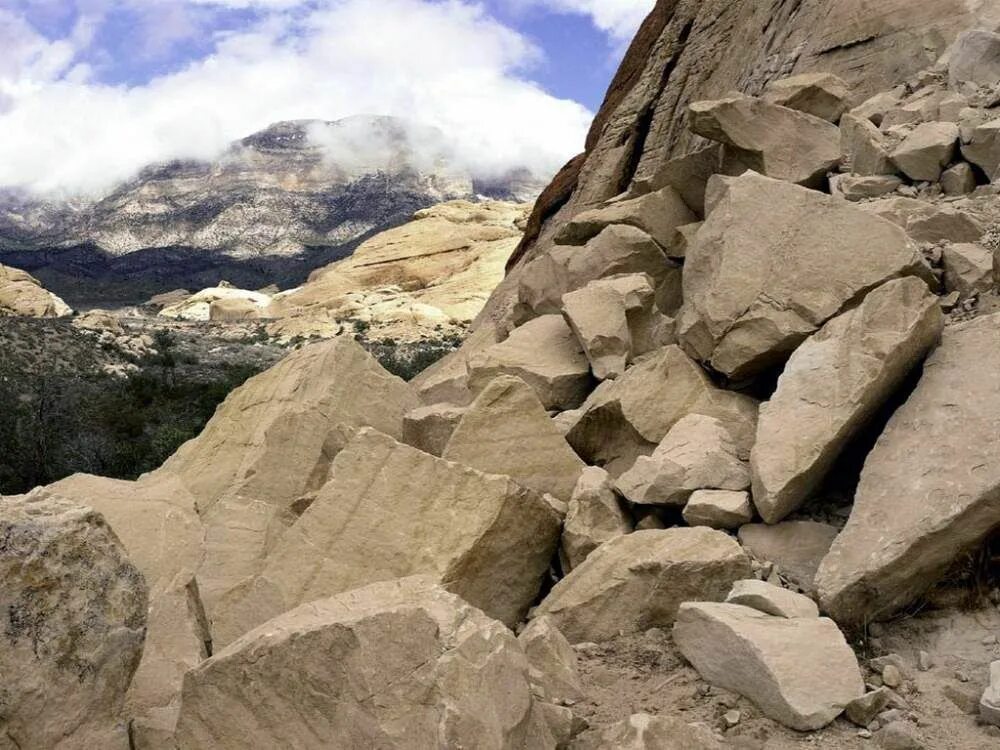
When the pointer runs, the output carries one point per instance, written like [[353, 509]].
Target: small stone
[[718, 509], [924, 661], [862, 711], [961, 676], [772, 600], [891, 676], [864, 734], [732, 718], [900, 735]]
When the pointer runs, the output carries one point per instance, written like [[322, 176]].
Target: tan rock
[[856, 188], [975, 59], [99, 320], [833, 385], [989, 704], [429, 428], [968, 269], [544, 353], [390, 510], [926, 151], [864, 710], [595, 516], [688, 174], [74, 621], [22, 295], [795, 547], [234, 310], [447, 380], [718, 509], [598, 317], [928, 491], [198, 307], [822, 95], [771, 600], [648, 732], [553, 663], [398, 664], [688, 234], [776, 141], [926, 222], [638, 581], [982, 147], [772, 263], [697, 453], [958, 180], [798, 671], [875, 107]]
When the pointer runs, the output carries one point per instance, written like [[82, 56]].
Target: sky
[[93, 90]]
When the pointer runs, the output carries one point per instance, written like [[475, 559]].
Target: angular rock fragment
[[599, 318], [798, 671], [552, 661], [929, 490], [833, 385], [821, 95], [875, 108], [968, 269], [390, 510], [689, 174], [795, 547], [595, 516], [545, 354], [982, 148], [718, 509], [430, 427], [855, 188], [863, 147], [638, 581], [975, 59], [507, 431], [649, 732], [926, 151], [926, 222], [772, 263], [958, 180], [863, 711], [771, 600]]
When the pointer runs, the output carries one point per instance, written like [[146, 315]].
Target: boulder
[[864, 710], [718, 509], [798, 671], [234, 310], [926, 222], [552, 662], [776, 141], [927, 150], [595, 516], [636, 582], [687, 174], [772, 263], [833, 385], [929, 489], [429, 428], [989, 704], [856, 188], [22, 295], [958, 180], [507, 431], [771, 600], [198, 307], [397, 664], [863, 147], [975, 59], [982, 147], [599, 319], [74, 621], [875, 108], [968, 269], [697, 453], [796, 548], [615, 424], [649, 732], [822, 95], [390, 510], [545, 354]]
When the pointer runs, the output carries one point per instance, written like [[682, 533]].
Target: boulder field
[[715, 467]]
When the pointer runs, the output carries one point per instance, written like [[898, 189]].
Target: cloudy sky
[[91, 90]]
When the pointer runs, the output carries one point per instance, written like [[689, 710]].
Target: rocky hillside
[[714, 470]]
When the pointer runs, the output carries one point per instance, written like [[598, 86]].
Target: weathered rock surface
[[833, 385], [929, 489], [968, 269], [718, 509], [21, 294], [234, 310], [989, 704], [798, 671], [552, 661], [390, 510], [398, 664], [648, 732], [198, 306], [926, 151], [975, 59], [772, 263], [507, 431], [771, 600], [983, 147], [863, 711], [822, 95], [796, 547], [75, 616], [863, 147], [958, 180], [856, 188], [927, 222], [429, 428], [638, 581], [595, 516]]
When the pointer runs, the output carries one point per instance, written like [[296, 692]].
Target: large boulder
[[821, 95], [833, 385], [74, 611], [983, 148], [638, 581], [507, 431], [975, 59], [595, 516], [968, 269], [863, 147], [772, 263], [22, 295], [795, 548], [930, 489], [927, 150], [798, 670], [390, 510], [989, 704], [718, 509], [399, 664]]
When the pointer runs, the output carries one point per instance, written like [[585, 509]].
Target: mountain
[[273, 207]]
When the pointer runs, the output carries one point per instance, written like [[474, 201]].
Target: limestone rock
[[968, 269], [544, 353], [398, 664], [975, 59], [776, 141], [983, 148], [798, 671], [796, 547], [833, 384], [22, 295], [429, 428], [925, 152], [649, 732], [553, 662], [771, 600], [595, 516], [822, 95], [697, 453], [638, 581], [391, 510], [958, 180], [856, 188], [507, 431], [928, 492], [772, 263], [718, 509], [75, 616], [989, 704]]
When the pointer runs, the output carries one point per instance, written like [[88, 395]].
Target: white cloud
[[446, 64], [618, 18]]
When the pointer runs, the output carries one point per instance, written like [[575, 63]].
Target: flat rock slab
[[718, 509], [821, 95], [796, 547], [930, 489], [771, 600]]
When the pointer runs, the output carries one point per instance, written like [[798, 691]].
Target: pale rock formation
[[697, 453], [798, 671], [649, 732], [926, 151], [857, 188], [75, 616], [615, 424], [982, 147], [928, 492], [99, 320], [544, 353], [429, 428], [595, 516], [975, 59], [398, 664], [507, 431], [688, 234], [776, 141], [989, 704], [831, 387], [390, 510], [968, 269], [158, 301], [198, 306], [773, 263], [795, 547], [771, 600], [638, 581], [553, 663], [718, 509], [22, 295], [233, 310], [822, 95], [958, 180]]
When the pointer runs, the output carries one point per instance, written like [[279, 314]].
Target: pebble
[[961, 676], [864, 734], [891, 676], [732, 718], [924, 661]]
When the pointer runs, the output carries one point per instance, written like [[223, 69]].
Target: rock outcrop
[[222, 302], [21, 294]]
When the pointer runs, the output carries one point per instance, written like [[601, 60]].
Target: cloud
[[443, 63], [620, 19]]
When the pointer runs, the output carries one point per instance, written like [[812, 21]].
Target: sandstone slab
[[429, 428], [599, 319], [771, 600], [958, 179], [857, 188], [553, 663], [926, 151], [595, 516], [796, 548], [718, 509], [821, 95]]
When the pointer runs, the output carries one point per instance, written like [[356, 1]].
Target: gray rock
[[862, 711], [863, 147], [968, 269], [982, 147], [958, 180]]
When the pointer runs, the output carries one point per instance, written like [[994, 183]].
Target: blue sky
[[91, 90]]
